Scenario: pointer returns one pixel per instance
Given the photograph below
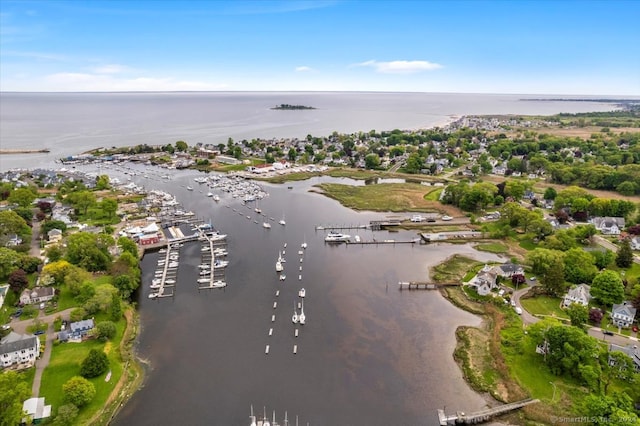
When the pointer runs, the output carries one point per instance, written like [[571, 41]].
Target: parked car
[[416, 218], [607, 332], [446, 217], [39, 332], [518, 310]]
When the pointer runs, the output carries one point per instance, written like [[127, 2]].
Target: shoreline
[[25, 151]]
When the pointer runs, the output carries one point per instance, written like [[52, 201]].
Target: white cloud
[[82, 82], [304, 69], [33, 55], [400, 67], [111, 69]]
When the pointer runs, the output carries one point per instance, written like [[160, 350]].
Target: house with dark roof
[[608, 225], [632, 351], [37, 295], [19, 349], [580, 294], [623, 314], [484, 281], [79, 329], [507, 270]]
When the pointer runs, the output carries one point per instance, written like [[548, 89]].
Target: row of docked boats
[[166, 271], [213, 258], [264, 421]]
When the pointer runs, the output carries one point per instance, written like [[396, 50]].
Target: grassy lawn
[[497, 248], [434, 195], [290, 177], [544, 305], [528, 244], [381, 197], [65, 363], [453, 269]]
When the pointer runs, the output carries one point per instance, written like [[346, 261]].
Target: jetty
[[454, 235], [483, 416], [415, 285]]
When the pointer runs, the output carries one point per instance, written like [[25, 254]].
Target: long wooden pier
[[481, 416], [424, 285]]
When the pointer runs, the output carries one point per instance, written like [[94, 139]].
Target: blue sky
[[537, 47]]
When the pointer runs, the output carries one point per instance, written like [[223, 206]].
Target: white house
[[3, 293], [623, 314], [37, 295], [19, 349], [608, 225], [484, 281], [635, 243], [54, 235], [580, 294], [36, 410]]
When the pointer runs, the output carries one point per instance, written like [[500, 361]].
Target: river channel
[[367, 355]]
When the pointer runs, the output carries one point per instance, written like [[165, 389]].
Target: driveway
[[527, 318]]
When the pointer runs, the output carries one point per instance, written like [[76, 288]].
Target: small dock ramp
[[483, 416]]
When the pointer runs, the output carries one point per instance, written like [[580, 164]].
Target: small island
[[294, 107]]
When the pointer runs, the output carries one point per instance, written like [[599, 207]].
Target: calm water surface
[[369, 354], [71, 123]]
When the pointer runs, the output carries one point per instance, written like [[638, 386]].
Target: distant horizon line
[[600, 96]]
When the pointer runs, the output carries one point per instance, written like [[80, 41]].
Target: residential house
[[580, 294], [608, 225], [507, 270], [484, 281], [632, 351], [79, 329], [623, 314], [19, 349], [3, 293], [35, 410], [635, 243], [37, 295], [54, 235]]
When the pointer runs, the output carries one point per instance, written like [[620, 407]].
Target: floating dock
[[481, 416], [411, 285]]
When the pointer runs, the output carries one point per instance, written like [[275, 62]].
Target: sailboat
[[279, 266], [266, 420], [304, 243], [282, 221], [302, 292], [257, 209], [252, 417], [302, 318], [295, 317]]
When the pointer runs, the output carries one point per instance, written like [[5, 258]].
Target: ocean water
[[71, 123]]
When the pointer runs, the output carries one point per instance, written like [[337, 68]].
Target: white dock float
[[296, 333], [301, 268], [300, 277], [277, 293], [273, 318], [295, 349], [275, 305], [270, 331], [266, 349], [300, 260]]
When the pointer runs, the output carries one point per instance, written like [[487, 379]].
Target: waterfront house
[[632, 351], [19, 349], [580, 294], [79, 329], [37, 295], [608, 225], [623, 314], [54, 235], [484, 281], [507, 270], [635, 243]]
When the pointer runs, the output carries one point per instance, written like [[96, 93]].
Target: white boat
[[266, 225], [219, 284], [283, 277], [304, 243], [302, 318], [337, 237], [170, 281], [220, 264], [279, 266], [204, 280], [282, 221], [154, 286], [153, 295], [204, 266], [302, 292], [209, 194], [216, 198], [295, 317], [189, 188]]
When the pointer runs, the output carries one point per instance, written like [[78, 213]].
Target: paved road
[[609, 245]]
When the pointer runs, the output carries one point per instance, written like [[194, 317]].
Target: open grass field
[[497, 248], [65, 364], [453, 269], [394, 197], [544, 305]]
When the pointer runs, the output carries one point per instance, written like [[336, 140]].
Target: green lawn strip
[[527, 244], [434, 195], [65, 363], [497, 248], [397, 197], [453, 269], [290, 177], [544, 305]]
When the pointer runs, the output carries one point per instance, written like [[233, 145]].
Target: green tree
[[77, 314], [578, 314], [550, 193], [23, 197], [541, 259], [78, 391], [13, 392], [89, 251], [607, 288], [53, 224], [624, 258], [579, 266], [372, 161], [414, 163], [116, 307], [11, 223], [627, 188], [109, 206], [181, 146], [106, 330], [82, 200], [102, 182], [292, 154], [125, 285], [126, 244], [9, 261], [553, 279], [95, 363], [18, 280], [602, 258], [66, 415]]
